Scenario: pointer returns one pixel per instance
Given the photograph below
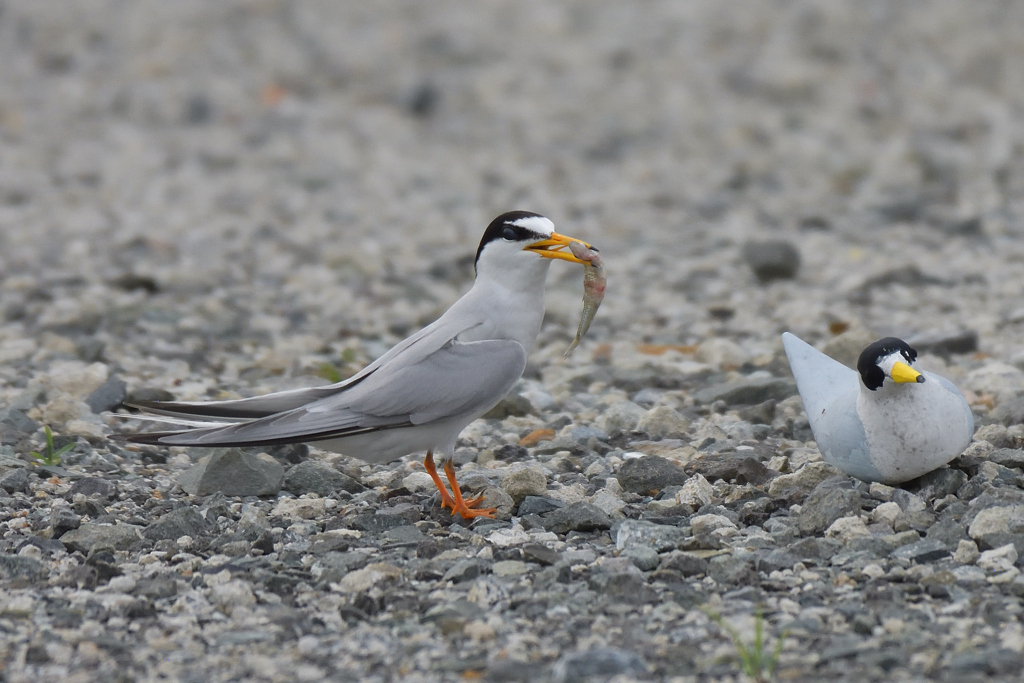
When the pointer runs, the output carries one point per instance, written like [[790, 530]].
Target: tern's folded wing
[[459, 379], [818, 378], [405, 354]]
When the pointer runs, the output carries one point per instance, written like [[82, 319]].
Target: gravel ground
[[211, 200]]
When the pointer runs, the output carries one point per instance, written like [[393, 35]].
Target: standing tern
[[423, 392], [887, 422]]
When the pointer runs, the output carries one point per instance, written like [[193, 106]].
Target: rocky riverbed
[[203, 201]]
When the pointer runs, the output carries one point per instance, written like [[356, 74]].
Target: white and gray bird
[[886, 422], [423, 392]]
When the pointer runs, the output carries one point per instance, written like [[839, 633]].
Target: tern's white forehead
[[538, 224], [886, 362]]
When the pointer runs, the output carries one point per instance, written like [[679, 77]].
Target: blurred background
[[195, 180]]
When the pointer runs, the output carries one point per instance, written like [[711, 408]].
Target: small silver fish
[[593, 289]]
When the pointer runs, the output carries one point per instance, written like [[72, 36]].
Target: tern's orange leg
[[446, 499], [463, 507]]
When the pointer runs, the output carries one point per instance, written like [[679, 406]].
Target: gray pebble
[[750, 391], [184, 521], [775, 260], [598, 663], [577, 517], [234, 473], [108, 395], [650, 473], [312, 476], [15, 480]]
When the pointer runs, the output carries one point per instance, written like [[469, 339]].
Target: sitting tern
[[886, 422], [423, 392]]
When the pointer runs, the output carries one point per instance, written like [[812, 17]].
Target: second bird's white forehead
[[538, 224], [886, 362]]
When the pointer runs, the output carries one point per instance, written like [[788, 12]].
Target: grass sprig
[[49, 456], [755, 662]]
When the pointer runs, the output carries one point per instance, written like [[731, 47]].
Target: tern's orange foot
[[466, 509], [446, 498], [469, 513]]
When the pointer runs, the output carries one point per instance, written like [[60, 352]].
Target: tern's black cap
[[867, 364], [497, 230]]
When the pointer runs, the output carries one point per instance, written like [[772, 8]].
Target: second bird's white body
[[893, 434]]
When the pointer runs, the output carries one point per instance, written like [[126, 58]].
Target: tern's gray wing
[[406, 353], [819, 379], [459, 379]]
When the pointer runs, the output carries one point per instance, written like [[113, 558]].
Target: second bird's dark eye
[[508, 233]]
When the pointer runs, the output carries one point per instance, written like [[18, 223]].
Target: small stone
[[886, 513], [600, 663], [300, 508], [89, 537], [663, 422], [1007, 457], [463, 570], [685, 563], [941, 482], [847, 528], [364, 579], [91, 486], [15, 480], [541, 554], [156, 588], [721, 353], [712, 531], [948, 531], [824, 506], [966, 552], [148, 394], [803, 480], [15, 426], [509, 568], [419, 482], [231, 595], [732, 570], [513, 405], [969, 575], [233, 472], [925, 550], [608, 501], [909, 503], [638, 532], [320, 478], [649, 474], [75, 377], [108, 395], [881, 491], [538, 505], [945, 342], [20, 567], [772, 260], [644, 558], [623, 416], [996, 378], [182, 522], [577, 517], [747, 391], [696, 492], [493, 497], [992, 526], [62, 520], [998, 559], [760, 414], [847, 347], [525, 481]]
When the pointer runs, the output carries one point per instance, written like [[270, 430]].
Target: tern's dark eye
[[508, 234]]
